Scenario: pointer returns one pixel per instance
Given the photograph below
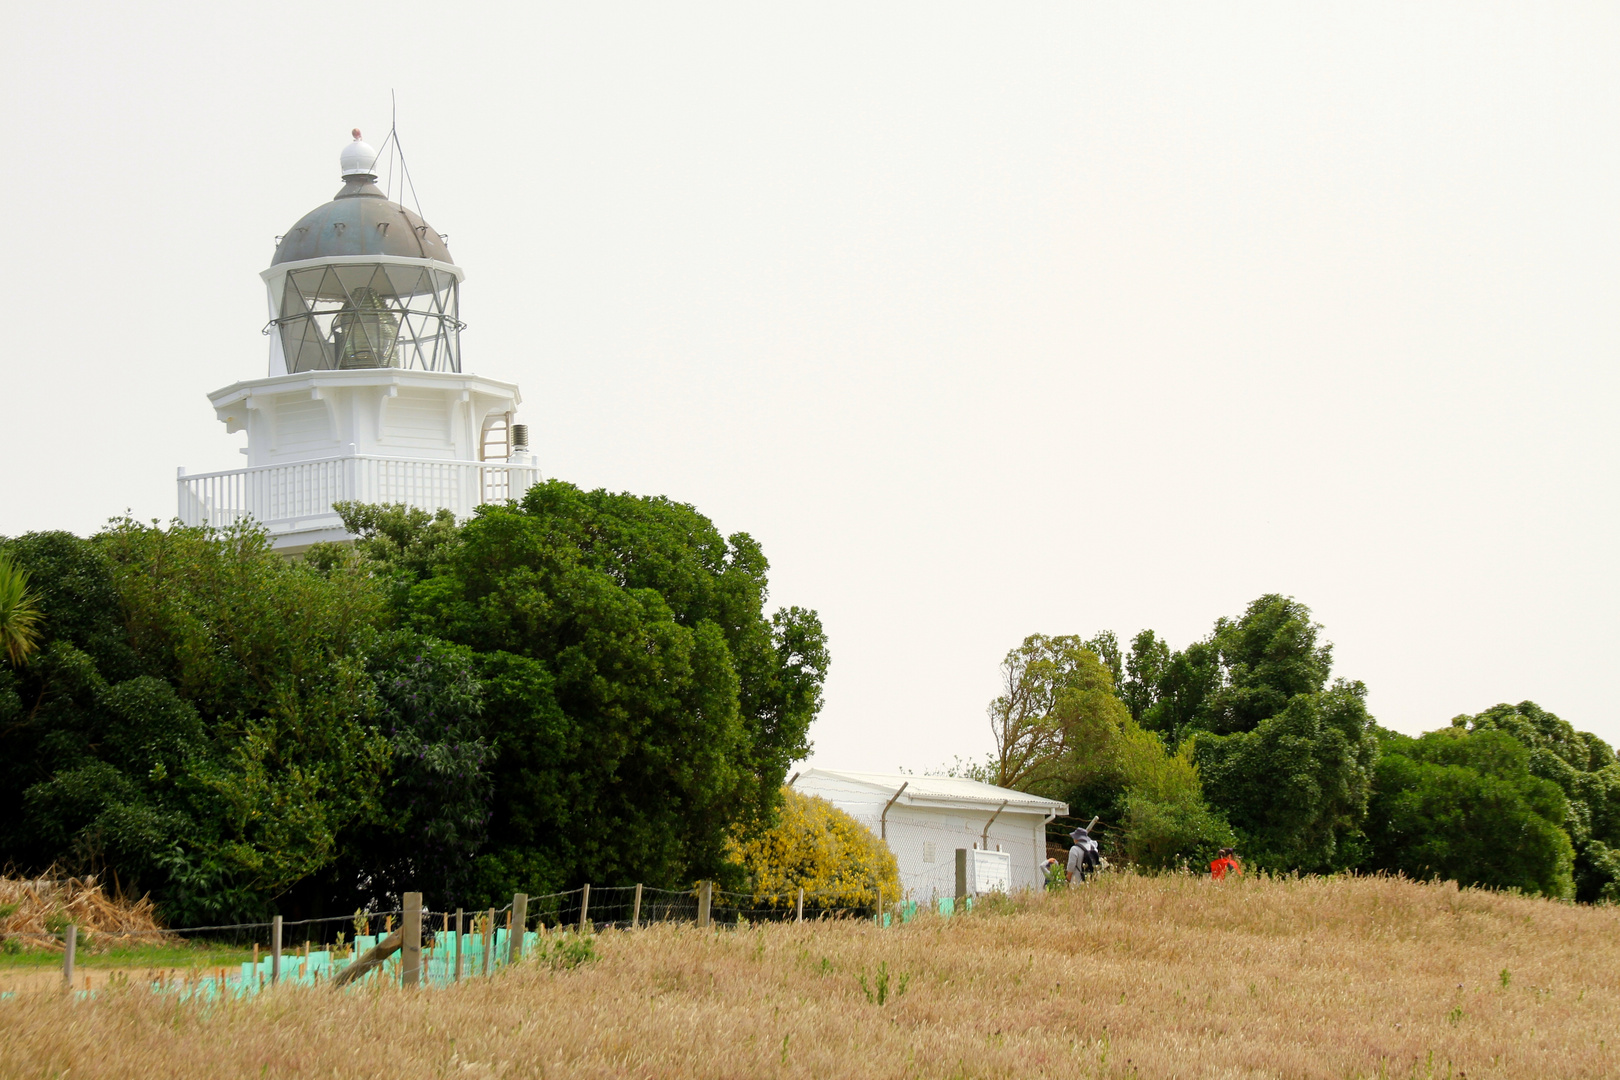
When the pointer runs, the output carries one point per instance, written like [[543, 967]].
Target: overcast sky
[[985, 319]]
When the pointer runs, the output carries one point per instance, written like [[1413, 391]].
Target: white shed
[[925, 819]]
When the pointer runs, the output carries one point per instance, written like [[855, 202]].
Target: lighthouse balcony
[[294, 501]]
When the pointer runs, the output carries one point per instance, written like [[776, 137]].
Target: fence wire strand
[[587, 909]]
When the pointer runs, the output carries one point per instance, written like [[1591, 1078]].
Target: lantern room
[[362, 282]]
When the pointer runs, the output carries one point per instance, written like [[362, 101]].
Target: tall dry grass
[[35, 910], [1132, 976]]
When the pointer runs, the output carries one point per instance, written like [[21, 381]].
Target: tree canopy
[[1295, 786], [1586, 771], [1463, 805], [1062, 731], [638, 698], [583, 686], [590, 687], [1274, 756], [19, 613], [199, 721], [1263, 747]]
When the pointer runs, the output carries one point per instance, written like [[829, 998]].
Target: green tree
[[1105, 646], [1295, 788], [92, 740], [1170, 833], [77, 598], [1284, 757], [272, 654], [1049, 685], [1543, 734], [1269, 655], [1464, 806], [1246, 671], [436, 804], [198, 722], [1144, 674], [1062, 732], [1187, 680], [639, 701], [1156, 796], [1586, 770]]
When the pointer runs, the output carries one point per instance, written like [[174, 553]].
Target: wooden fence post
[[71, 943], [458, 945], [489, 941], [520, 923], [798, 911], [705, 897], [584, 907], [635, 912], [961, 882], [410, 971], [275, 950]]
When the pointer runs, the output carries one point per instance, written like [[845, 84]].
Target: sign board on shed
[[992, 871]]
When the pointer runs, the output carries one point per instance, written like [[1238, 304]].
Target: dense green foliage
[[435, 810], [582, 687], [1295, 786], [1586, 771], [1286, 759], [640, 700], [588, 687], [1270, 754], [1062, 732], [198, 721], [1463, 805]]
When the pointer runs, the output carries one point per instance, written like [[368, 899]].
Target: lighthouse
[[365, 399]]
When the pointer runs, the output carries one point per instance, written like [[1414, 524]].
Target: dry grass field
[[1129, 977]]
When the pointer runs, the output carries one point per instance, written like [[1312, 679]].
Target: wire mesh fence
[[319, 932], [464, 944], [589, 908]]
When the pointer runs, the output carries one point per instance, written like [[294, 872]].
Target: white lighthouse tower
[[365, 399]]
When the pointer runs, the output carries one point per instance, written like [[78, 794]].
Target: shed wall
[[924, 841], [917, 832]]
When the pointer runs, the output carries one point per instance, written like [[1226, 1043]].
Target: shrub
[[819, 848]]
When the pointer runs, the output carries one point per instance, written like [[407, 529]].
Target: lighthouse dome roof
[[360, 220]]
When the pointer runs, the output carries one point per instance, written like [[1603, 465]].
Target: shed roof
[[940, 791]]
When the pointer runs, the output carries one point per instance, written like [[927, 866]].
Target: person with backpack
[[1084, 856]]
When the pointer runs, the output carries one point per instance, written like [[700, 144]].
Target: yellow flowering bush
[[815, 846]]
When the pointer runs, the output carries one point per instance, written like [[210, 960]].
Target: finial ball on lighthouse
[[358, 158]]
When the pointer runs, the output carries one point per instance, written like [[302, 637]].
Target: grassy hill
[[1130, 976]]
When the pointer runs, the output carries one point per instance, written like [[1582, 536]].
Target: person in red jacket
[[1225, 861]]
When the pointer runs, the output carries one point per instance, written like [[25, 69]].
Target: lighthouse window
[[370, 315]]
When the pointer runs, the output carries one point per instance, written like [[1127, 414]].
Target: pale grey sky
[[985, 319]]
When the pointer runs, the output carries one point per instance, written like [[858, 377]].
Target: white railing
[[298, 496]]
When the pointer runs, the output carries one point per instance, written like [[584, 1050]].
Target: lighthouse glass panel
[[370, 315]]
